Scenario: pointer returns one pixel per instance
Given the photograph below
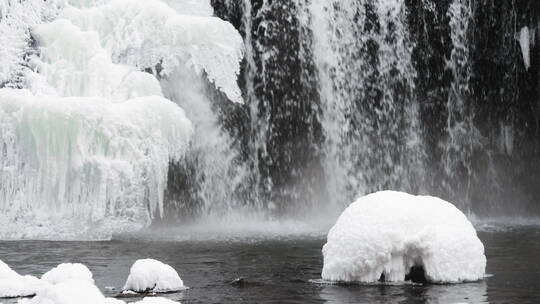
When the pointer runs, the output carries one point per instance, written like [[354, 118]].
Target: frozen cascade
[[16, 19], [90, 140]]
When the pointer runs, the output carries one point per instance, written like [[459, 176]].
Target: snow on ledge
[[385, 234], [149, 275]]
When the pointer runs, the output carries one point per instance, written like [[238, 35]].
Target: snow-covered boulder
[[152, 275], [67, 272], [68, 292], [155, 300], [387, 234], [14, 285]]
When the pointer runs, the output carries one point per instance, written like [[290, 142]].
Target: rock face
[[394, 236]]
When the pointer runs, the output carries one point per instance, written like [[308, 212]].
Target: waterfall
[[177, 110], [372, 138], [462, 135]]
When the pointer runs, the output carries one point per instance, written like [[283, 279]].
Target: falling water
[[363, 54]]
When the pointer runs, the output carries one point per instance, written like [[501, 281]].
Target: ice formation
[[152, 275], [13, 284], [386, 234], [85, 146], [67, 272], [524, 42], [149, 34]]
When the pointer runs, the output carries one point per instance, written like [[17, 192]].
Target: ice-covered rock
[[13, 284], [152, 275], [66, 272], [386, 234]]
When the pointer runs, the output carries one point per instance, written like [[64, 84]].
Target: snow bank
[[387, 233], [13, 284], [152, 275], [68, 272]]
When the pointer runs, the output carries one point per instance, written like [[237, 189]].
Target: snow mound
[[14, 285], [67, 272], [152, 275], [156, 300], [68, 292], [386, 234]]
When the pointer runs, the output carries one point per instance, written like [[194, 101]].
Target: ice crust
[[152, 275], [389, 232]]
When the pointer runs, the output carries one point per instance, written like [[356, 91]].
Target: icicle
[[524, 42]]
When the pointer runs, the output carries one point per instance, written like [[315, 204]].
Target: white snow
[[155, 300], [13, 284], [65, 284], [67, 272], [389, 232], [524, 42], [153, 275], [68, 292]]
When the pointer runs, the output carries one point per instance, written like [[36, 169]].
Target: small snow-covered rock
[[68, 292], [14, 285], [386, 234], [68, 271], [156, 300], [152, 275]]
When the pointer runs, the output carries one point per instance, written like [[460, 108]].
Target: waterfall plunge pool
[[282, 269]]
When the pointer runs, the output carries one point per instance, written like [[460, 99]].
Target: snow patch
[[14, 285], [67, 272], [152, 275], [386, 234]]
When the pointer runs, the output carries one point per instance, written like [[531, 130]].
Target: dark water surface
[[280, 270]]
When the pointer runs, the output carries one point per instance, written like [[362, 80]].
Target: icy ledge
[[382, 236]]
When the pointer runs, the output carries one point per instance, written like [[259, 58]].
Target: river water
[[283, 269]]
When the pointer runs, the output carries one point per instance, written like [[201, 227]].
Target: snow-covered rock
[[152, 275], [13, 284], [387, 233], [68, 292], [67, 272], [156, 300]]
